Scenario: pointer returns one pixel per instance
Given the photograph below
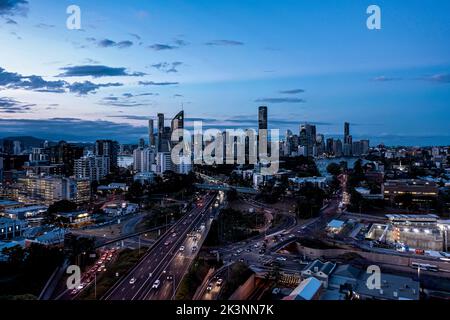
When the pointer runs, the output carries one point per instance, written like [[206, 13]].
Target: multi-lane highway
[[151, 273]]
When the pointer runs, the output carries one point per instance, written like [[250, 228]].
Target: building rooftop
[[319, 266], [393, 287], [336, 224], [306, 290]]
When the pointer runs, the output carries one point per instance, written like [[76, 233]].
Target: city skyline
[[129, 62]]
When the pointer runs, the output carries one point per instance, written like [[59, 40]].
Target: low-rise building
[[11, 228], [309, 289], [420, 190], [319, 270]]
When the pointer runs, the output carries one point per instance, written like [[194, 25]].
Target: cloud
[[127, 100], [44, 26], [224, 43], [138, 37], [180, 42], [107, 43], [280, 100], [385, 79], [97, 71], [83, 88], [160, 47], [293, 91], [9, 105], [167, 67], [11, 21], [13, 7], [439, 78], [146, 94], [152, 83], [12, 80]]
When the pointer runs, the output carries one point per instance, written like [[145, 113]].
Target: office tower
[[337, 147], [8, 146], [178, 121], [320, 145], [17, 147], [151, 133], [141, 143], [308, 138], [64, 153], [1, 169], [164, 162], [108, 148], [37, 154], [262, 125], [92, 168], [329, 148], [160, 131], [143, 160], [365, 145], [346, 131], [356, 148], [262, 118]]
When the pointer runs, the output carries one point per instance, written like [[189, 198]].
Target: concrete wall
[[371, 256], [245, 289]]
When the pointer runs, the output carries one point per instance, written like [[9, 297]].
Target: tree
[[62, 206], [334, 169], [309, 201]]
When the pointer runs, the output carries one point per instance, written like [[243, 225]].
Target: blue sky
[[311, 61]]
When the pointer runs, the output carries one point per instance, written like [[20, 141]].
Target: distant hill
[[33, 142], [27, 141]]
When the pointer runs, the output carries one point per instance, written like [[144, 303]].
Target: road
[[137, 284]]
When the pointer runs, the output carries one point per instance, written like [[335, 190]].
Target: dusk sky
[[308, 61]]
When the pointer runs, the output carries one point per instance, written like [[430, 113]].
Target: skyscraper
[[141, 143], [262, 118], [108, 148], [160, 131], [178, 121], [151, 133], [262, 129], [346, 130], [66, 154], [308, 138], [348, 141]]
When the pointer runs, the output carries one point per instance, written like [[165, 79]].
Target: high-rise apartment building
[[108, 148]]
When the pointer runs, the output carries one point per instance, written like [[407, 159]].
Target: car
[[74, 292], [182, 248], [219, 282], [209, 287], [174, 235], [132, 280], [170, 277], [156, 284], [281, 259], [166, 243]]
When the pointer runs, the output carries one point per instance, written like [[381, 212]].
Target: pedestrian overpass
[[216, 187]]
